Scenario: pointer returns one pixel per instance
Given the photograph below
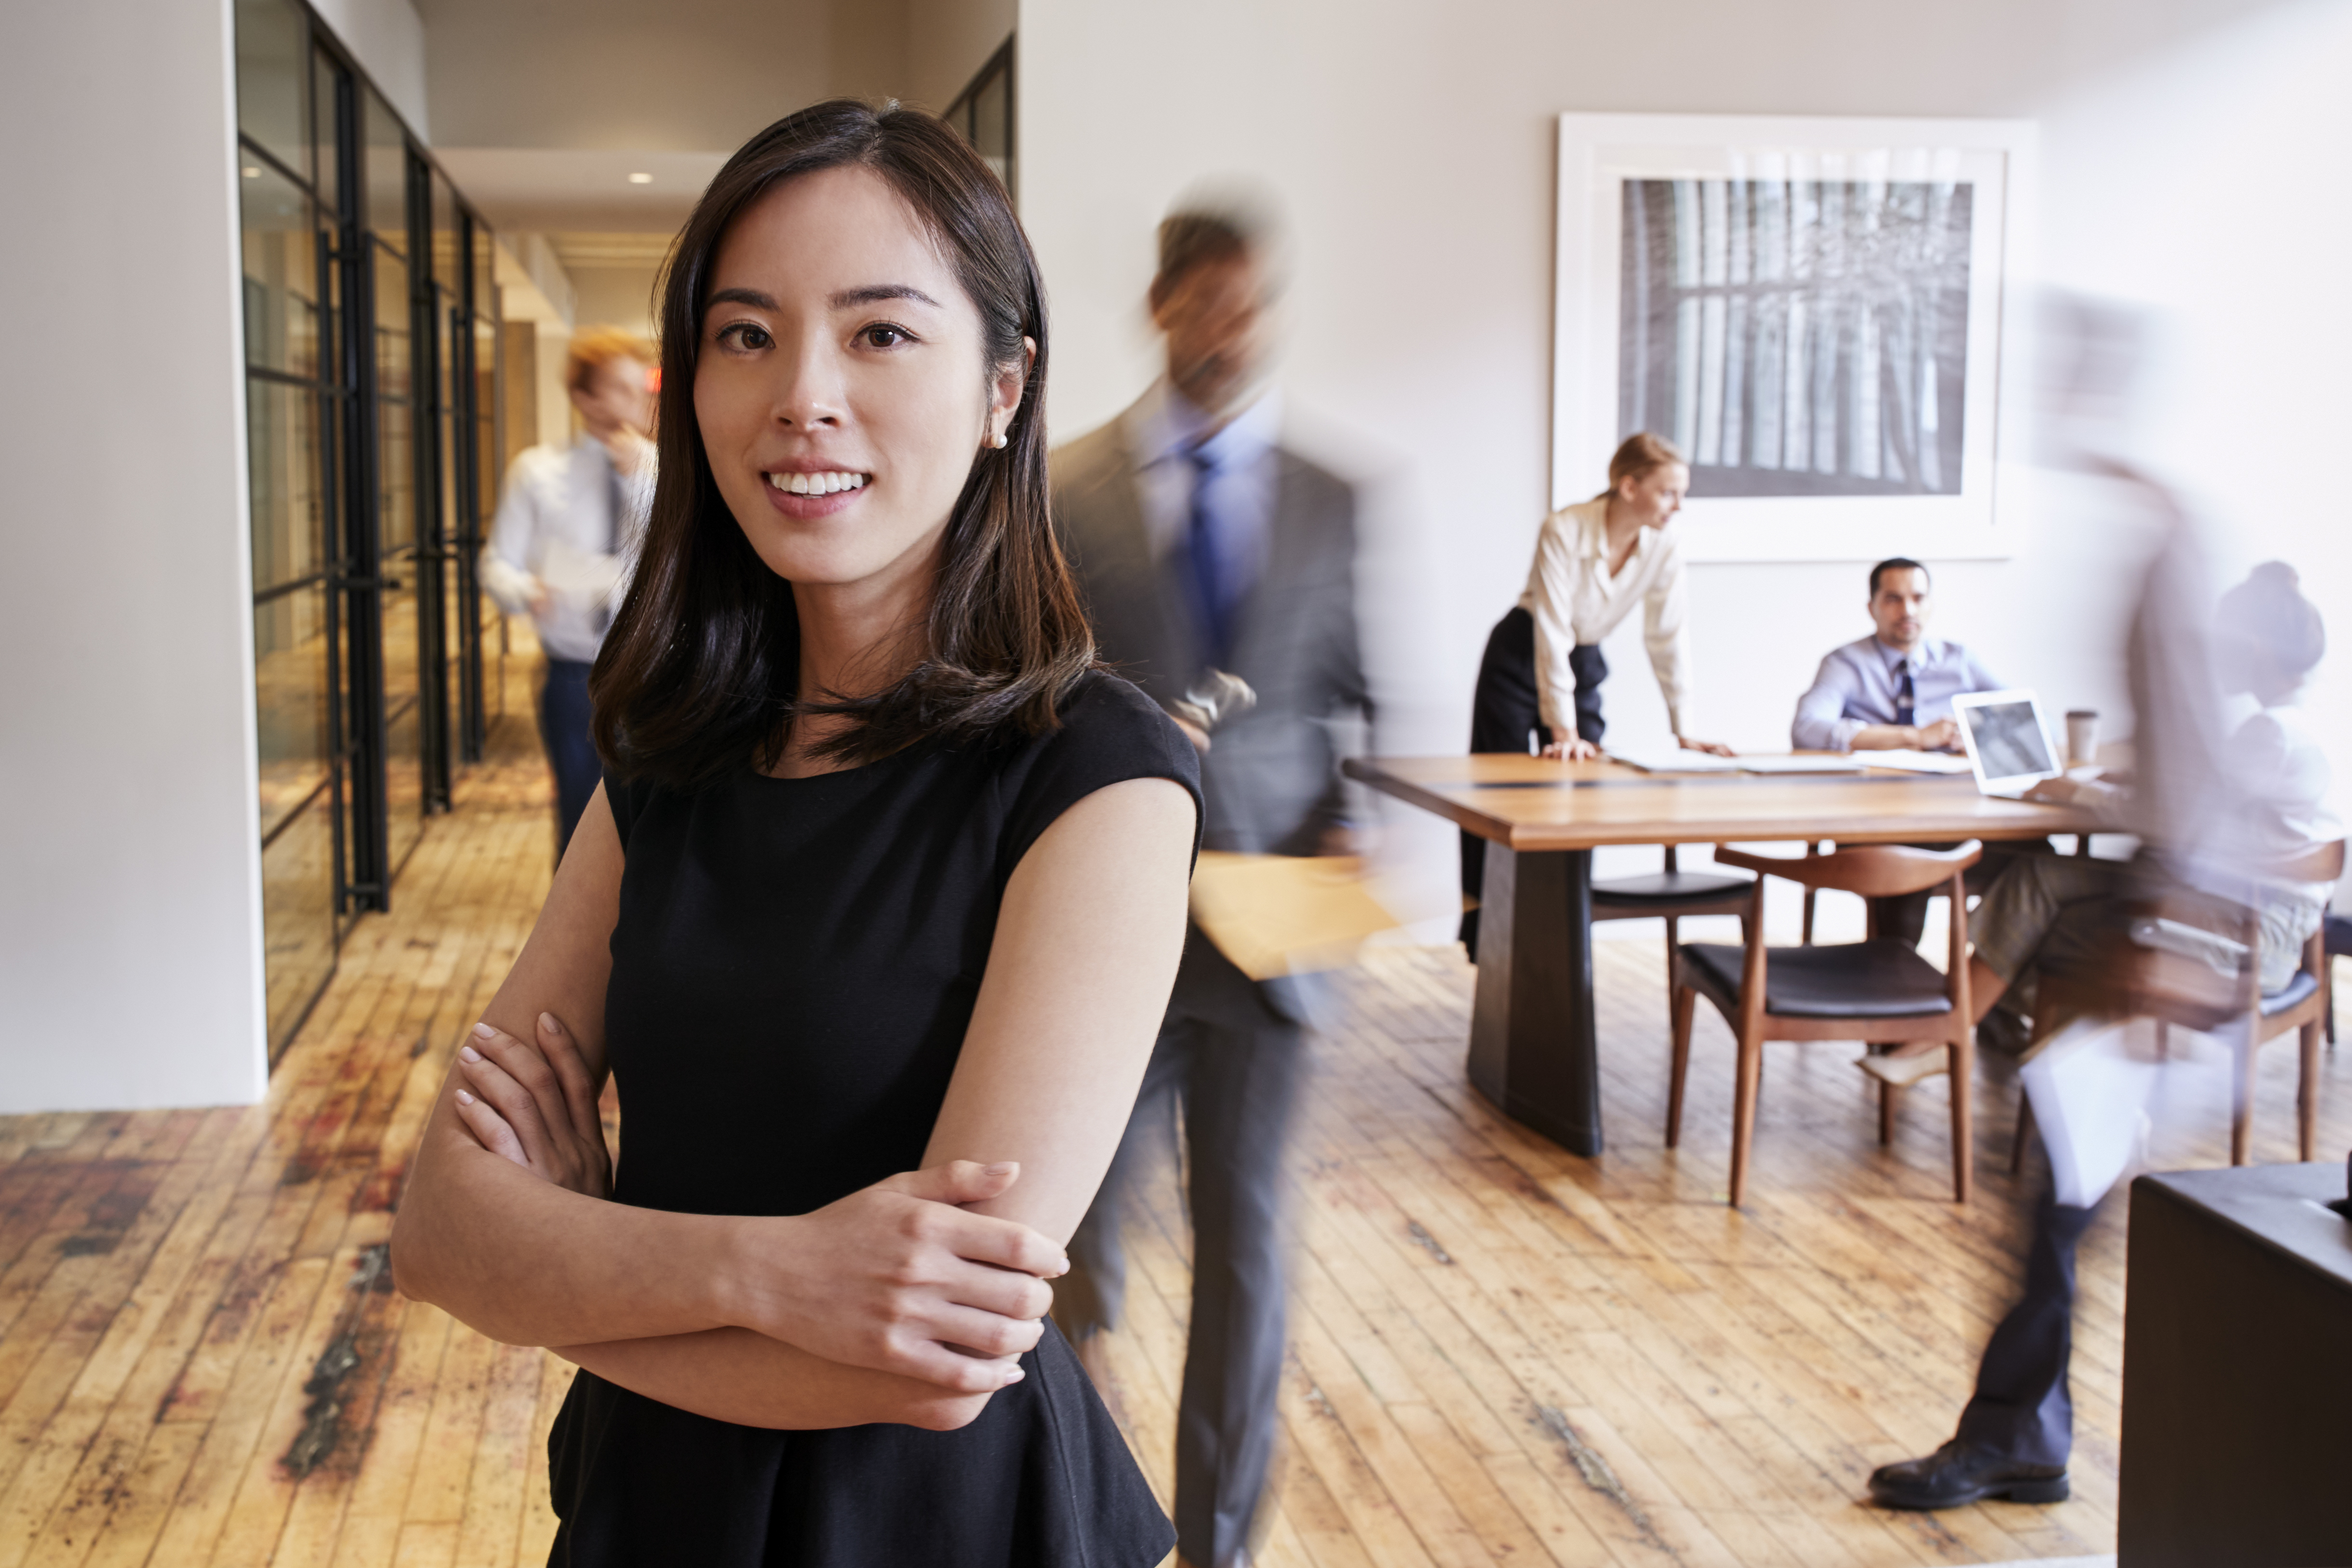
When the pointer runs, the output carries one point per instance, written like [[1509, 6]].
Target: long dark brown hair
[[701, 673]]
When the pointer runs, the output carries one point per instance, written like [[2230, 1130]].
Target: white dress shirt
[[1162, 432], [1575, 600], [555, 528], [1862, 684]]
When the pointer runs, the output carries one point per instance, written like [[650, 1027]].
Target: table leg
[[1532, 1041]]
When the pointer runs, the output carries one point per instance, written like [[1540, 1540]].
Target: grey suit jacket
[[1271, 781]]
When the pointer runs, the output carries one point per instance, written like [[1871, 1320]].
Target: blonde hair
[[1640, 454], [594, 348]]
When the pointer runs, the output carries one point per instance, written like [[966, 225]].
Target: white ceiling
[[542, 108], [535, 188], [681, 76]]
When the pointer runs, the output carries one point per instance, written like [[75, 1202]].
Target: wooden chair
[[1811, 894], [1674, 893], [2336, 939], [2128, 981], [1874, 990]]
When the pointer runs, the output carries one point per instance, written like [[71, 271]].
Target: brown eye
[[883, 335]]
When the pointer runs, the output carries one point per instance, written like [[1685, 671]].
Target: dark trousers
[[564, 728], [2022, 1409], [1503, 713], [1904, 916], [1231, 1064]]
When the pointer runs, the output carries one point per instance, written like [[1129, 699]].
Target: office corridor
[[1502, 1354]]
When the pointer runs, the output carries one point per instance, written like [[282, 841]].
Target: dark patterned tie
[[1210, 579], [1904, 695]]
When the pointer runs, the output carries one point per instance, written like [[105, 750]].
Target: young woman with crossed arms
[[874, 919]]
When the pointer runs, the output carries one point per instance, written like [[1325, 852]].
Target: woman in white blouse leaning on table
[[1542, 672]]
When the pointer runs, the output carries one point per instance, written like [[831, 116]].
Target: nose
[[810, 392]]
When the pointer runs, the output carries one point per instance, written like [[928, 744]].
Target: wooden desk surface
[[1528, 803]]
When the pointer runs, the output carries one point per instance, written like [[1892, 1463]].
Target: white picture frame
[[1886, 474]]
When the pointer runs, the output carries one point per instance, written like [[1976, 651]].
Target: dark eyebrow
[[874, 294], [752, 296]]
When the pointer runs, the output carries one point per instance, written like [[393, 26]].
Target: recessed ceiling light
[[641, 179], [252, 172]]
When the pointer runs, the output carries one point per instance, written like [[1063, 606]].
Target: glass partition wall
[[371, 327]]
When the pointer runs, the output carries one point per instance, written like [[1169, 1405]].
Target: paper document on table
[[1912, 761], [1676, 762], [1828, 764], [579, 578], [1285, 914]]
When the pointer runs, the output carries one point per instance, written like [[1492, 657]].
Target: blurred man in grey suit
[[1205, 547]]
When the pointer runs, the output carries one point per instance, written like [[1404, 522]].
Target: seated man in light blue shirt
[[1892, 689]]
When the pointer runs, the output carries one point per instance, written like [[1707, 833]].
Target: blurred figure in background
[[2212, 808], [1206, 549], [1542, 670], [2200, 870], [570, 521], [1893, 690]]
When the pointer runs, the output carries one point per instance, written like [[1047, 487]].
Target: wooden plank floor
[[1501, 1354]]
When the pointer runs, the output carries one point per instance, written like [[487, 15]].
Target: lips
[[807, 495]]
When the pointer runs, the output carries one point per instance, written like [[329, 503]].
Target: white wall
[[2187, 153], [385, 40], [614, 296], [946, 42], [129, 893]]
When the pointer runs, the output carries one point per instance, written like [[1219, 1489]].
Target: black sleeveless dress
[[794, 965]]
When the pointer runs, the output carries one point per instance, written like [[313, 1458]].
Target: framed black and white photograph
[[1812, 310]]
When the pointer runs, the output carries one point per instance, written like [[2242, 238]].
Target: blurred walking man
[[567, 527], [1205, 547]]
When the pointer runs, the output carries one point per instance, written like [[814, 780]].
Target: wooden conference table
[[1532, 1050]]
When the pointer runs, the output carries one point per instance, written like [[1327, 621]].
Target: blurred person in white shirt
[[568, 527]]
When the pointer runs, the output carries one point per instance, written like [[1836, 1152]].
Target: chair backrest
[[1874, 870]]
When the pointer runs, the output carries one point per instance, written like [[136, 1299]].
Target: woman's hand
[[1712, 747], [1575, 748], [900, 1278], [536, 1106]]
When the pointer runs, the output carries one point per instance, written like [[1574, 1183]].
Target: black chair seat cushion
[[1880, 979], [1661, 891], [2295, 990]]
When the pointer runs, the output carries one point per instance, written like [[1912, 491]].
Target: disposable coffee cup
[[2082, 736]]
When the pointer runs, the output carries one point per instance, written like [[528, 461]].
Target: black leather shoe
[[1960, 1473]]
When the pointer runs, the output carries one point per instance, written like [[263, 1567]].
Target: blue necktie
[[1209, 574], [1906, 696]]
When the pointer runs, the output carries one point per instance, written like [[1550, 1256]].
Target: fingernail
[[469, 1053], [547, 1021], [485, 1031], [1001, 1167], [1014, 1375], [464, 1098]]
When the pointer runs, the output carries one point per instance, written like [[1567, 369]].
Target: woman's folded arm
[[1087, 944], [734, 1375], [887, 1278]]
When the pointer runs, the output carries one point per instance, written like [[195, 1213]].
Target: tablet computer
[[2007, 743]]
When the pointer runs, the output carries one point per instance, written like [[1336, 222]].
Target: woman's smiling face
[[842, 384]]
